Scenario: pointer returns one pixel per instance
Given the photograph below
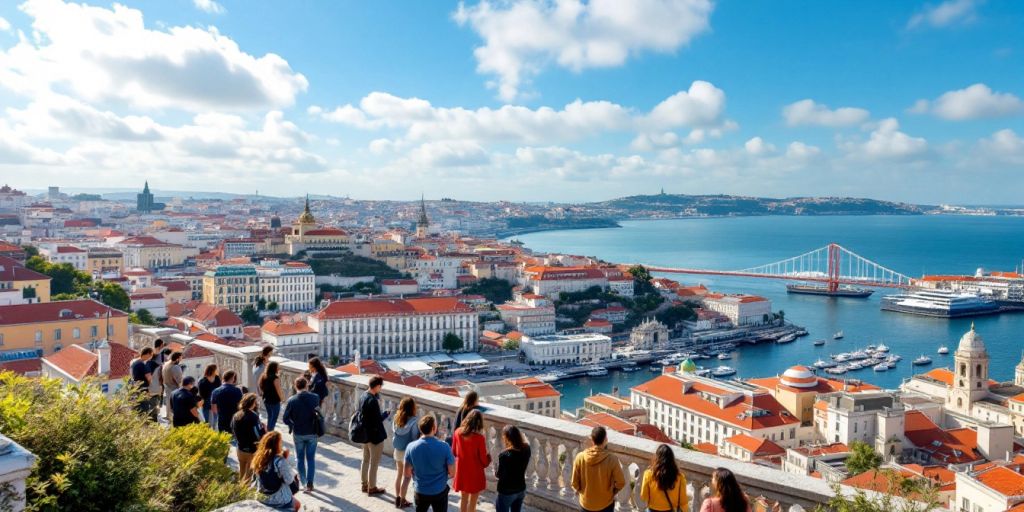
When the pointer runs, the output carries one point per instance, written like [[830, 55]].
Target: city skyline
[[525, 101]]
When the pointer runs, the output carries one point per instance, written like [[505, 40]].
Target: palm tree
[[782, 317]]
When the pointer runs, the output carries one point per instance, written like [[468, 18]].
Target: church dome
[[688, 366], [307, 216], [971, 342], [799, 377]]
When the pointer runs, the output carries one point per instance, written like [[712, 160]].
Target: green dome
[[688, 366]]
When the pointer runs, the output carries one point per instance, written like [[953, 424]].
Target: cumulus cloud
[[807, 112], [522, 37], [701, 105], [58, 116], [1004, 146], [757, 146], [887, 142], [209, 6], [973, 102], [450, 153], [109, 55], [4, 24], [945, 14]]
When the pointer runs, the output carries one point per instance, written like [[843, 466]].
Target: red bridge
[[833, 265]]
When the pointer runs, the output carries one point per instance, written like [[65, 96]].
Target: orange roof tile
[[285, 329], [669, 388], [1003, 480], [392, 307], [757, 446], [708, 448]]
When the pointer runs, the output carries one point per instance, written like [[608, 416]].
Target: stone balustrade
[[15, 466], [554, 443]]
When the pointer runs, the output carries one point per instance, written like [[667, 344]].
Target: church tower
[[423, 224], [305, 222], [970, 373]]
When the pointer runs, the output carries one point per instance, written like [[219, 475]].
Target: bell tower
[[970, 373]]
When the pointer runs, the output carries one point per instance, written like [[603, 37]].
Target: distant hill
[[717, 205]]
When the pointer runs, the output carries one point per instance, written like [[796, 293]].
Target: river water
[[912, 245]]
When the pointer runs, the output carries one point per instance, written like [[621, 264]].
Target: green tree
[[452, 342], [766, 318], [640, 273], [261, 304], [143, 316], [862, 458], [901, 495], [675, 314], [249, 315], [510, 344], [97, 453], [113, 295], [272, 305], [30, 250], [63, 276], [495, 290]]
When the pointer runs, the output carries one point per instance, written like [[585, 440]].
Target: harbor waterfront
[[913, 245]]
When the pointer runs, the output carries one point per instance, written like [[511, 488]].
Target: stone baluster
[[623, 499], [567, 491], [539, 464], [495, 445], [554, 466], [693, 488], [638, 480]]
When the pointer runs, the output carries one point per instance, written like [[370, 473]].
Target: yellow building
[[306, 235], [50, 326], [390, 252], [104, 261], [20, 285], [231, 286], [149, 252]]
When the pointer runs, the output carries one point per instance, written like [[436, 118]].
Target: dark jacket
[[372, 418], [300, 413], [226, 398], [248, 430], [319, 385]]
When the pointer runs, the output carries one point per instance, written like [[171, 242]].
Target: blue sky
[[518, 100]]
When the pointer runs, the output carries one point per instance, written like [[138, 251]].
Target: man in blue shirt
[[185, 404], [430, 463], [224, 401], [300, 416]]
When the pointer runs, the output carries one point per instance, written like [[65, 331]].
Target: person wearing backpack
[[301, 414], [367, 428], [664, 486], [276, 481]]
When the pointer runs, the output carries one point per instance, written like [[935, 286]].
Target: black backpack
[[270, 478]]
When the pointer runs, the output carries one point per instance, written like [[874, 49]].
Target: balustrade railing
[[554, 444]]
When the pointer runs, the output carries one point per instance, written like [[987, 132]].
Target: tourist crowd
[[421, 458]]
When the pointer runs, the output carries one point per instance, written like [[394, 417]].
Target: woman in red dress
[[471, 457]]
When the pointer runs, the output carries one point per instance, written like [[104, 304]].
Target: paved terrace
[[554, 443]]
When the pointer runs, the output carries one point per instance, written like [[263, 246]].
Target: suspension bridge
[[832, 265]]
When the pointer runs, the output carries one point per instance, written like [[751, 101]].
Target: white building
[[705, 410], [739, 309], [551, 281], [992, 489], [292, 340], [566, 348], [527, 319], [107, 362], [872, 417], [78, 258], [436, 272], [377, 328], [399, 286], [291, 285], [153, 302], [526, 394]]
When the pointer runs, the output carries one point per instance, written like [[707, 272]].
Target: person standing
[[270, 388], [727, 495], [224, 401], [300, 414], [248, 430], [371, 434], [171, 374], [185, 404], [596, 474], [471, 457], [406, 431], [318, 378], [664, 486], [156, 387], [429, 463], [259, 366], [511, 471], [469, 403], [141, 376], [209, 382], [274, 473]]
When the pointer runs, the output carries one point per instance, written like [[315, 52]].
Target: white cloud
[[757, 146], [945, 14], [700, 106], [1004, 146], [887, 142], [521, 37], [4, 25], [450, 153], [799, 151], [209, 6], [57, 116], [974, 102], [109, 55], [16, 151], [807, 112]]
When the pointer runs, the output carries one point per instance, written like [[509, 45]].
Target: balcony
[[554, 443]]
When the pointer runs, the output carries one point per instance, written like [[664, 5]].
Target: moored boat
[[723, 371], [922, 361], [818, 343], [838, 335], [597, 371], [943, 350]]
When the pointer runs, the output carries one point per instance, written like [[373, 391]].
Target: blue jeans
[[510, 502], [305, 452], [273, 411], [209, 416]]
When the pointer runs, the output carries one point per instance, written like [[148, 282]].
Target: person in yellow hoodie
[[664, 486], [596, 475]]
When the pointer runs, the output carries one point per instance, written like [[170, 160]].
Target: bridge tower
[[834, 255]]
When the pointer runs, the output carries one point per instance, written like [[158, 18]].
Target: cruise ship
[[939, 303]]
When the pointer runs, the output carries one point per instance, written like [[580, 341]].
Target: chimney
[[995, 442], [103, 351]]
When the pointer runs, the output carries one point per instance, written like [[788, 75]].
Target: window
[[56, 334], [39, 337], [76, 333], [94, 331]]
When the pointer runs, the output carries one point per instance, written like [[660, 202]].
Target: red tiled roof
[[144, 241], [366, 366], [9, 247], [284, 329], [1003, 480], [956, 446], [69, 249], [824, 385], [610, 402], [828, 449], [327, 232], [708, 448], [214, 316], [757, 446], [174, 285], [22, 366], [147, 296], [563, 273], [392, 307], [79, 362], [669, 388], [51, 312], [12, 270], [394, 282], [79, 223]]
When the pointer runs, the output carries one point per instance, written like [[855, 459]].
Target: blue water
[[911, 245]]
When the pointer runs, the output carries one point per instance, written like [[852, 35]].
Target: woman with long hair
[[270, 388], [727, 496], [471, 457], [470, 402], [318, 378], [511, 471], [248, 430], [274, 473], [209, 382], [664, 486], [406, 430], [260, 365]]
